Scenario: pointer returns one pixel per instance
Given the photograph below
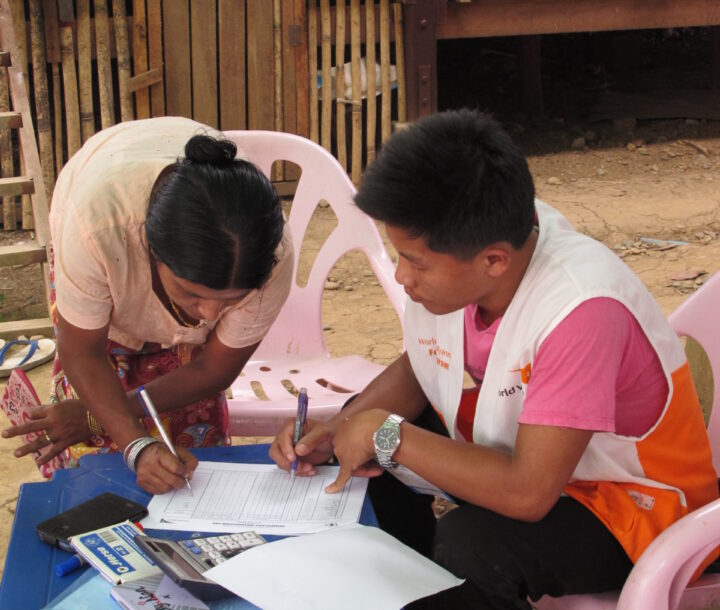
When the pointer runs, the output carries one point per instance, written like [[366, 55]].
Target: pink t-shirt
[[595, 371]]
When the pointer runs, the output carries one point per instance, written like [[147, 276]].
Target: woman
[[171, 261]]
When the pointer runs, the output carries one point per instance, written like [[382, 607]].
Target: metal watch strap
[[384, 457]]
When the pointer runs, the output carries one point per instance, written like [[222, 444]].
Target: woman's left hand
[[60, 425]]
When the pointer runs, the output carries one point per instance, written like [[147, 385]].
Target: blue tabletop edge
[[28, 558]]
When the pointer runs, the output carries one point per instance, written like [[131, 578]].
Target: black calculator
[[185, 560]]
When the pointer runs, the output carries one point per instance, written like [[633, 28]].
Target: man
[[583, 437]]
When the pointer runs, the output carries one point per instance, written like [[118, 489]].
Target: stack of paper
[[230, 497]]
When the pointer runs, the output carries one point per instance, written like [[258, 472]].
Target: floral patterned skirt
[[201, 424]]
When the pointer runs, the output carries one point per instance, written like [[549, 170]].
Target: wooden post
[[277, 64], [123, 60], [340, 83], [530, 68], [87, 110], [42, 108], [66, 11], [385, 85], [233, 88], [715, 63], [261, 67], [7, 165], [356, 71], [17, 9], [26, 133], [371, 91], [326, 50], [72, 110], [400, 62], [293, 75], [102, 55], [52, 46], [203, 14], [155, 55], [277, 169], [176, 34], [312, 70], [420, 44], [140, 57], [299, 52]]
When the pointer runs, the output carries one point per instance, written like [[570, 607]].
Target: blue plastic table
[[29, 579]]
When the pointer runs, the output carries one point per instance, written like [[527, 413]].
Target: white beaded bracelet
[[132, 451]]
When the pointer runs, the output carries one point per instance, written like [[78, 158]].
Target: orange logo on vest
[[524, 373]]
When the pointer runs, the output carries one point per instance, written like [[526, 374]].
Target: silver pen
[[147, 403]]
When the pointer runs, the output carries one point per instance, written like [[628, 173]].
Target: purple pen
[[300, 418]]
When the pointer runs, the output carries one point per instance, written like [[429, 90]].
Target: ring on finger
[[47, 438]]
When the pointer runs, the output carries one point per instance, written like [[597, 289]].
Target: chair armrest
[[667, 565]]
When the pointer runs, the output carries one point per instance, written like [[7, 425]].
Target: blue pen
[[69, 565], [300, 418]]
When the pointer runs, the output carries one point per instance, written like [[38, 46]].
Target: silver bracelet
[[129, 447], [137, 446]]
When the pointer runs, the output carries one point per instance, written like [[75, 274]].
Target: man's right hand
[[314, 447]]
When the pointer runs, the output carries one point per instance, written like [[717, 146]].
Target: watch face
[[387, 438]]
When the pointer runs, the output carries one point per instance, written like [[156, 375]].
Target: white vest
[[566, 269]]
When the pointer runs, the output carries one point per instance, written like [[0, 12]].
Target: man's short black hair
[[456, 179]]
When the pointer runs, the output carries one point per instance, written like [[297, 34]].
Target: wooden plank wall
[[355, 107], [232, 64]]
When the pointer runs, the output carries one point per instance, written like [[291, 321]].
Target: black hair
[[213, 219], [456, 180]]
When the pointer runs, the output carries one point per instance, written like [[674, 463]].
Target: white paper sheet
[[415, 482], [230, 497], [353, 568]]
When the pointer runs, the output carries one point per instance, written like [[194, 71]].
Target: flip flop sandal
[[17, 402], [25, 354]]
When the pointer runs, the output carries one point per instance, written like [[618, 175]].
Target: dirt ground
[[667, 190], [650, 190]]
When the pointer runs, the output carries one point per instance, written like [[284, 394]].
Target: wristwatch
[[387, 440]]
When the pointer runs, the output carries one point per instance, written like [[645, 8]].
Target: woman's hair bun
[[206, 149]]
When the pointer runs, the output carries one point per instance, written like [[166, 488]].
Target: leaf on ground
[[691, 274], [699, 147]]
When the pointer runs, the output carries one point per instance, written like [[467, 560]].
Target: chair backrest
[[699, 319], [298, 329]]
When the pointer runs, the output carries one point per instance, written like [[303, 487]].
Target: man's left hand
[[354, 448]]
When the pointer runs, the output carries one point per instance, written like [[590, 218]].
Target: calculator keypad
[[213, 550]]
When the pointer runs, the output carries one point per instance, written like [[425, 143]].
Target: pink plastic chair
[[294, 351], [659, 580]]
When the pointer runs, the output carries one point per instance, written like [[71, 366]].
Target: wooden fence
[[288, 65]]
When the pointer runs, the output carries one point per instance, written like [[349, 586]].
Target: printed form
[[229, 497]]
